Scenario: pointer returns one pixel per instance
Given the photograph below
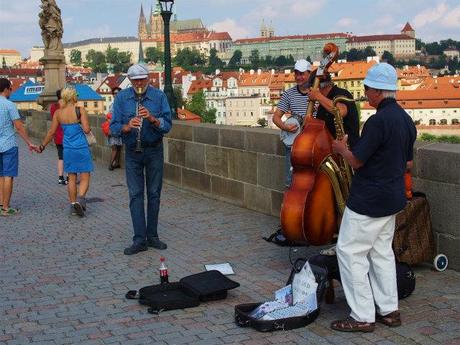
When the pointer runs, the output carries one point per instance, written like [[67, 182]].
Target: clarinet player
[[141, 115]]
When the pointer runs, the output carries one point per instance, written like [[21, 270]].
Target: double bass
[[308, 212]]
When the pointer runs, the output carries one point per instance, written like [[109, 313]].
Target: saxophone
[[338, 169]]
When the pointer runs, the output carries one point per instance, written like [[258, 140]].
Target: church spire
[[142, 25]]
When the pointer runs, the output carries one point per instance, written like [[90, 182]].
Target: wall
[[245, 167]]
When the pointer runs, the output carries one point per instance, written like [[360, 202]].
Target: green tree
[[96, 60], [419, 44], [281, 61], [214, 62], [124, 61], [197, 105], [235, 60], [262, 121], [154, 55], [389, 58], [177, 90], [209, 116], [187, 58], [369, 51], [354, 55], [254, 59], [111, 55], [453, 65], [75, 57]]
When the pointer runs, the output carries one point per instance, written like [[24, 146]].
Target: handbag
[[90, 138]]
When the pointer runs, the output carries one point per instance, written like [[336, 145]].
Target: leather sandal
[[351, 325], [391, 320]]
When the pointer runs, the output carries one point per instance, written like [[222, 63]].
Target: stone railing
[[245, 167]]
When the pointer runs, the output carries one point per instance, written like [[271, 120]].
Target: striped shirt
[[8, 114], [293, 101]]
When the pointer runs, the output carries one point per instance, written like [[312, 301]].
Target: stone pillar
[[54, 68]]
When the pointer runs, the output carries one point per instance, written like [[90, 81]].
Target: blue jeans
[[287, 166], [144, 169]]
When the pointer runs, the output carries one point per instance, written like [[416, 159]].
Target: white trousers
[[367, 264]]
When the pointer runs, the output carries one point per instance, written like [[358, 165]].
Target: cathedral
[[152, 30]]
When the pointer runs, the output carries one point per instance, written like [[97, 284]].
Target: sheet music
[[223, 268]]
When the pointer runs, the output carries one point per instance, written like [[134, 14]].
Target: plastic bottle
[[163, 271]]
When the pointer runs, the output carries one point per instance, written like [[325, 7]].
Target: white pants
[[367, 264]]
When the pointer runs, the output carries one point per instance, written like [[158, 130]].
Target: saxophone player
[[324, 96], [141, 114]]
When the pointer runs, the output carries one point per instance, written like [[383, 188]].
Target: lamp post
[[166, 12]]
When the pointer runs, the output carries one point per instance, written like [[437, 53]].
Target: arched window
[[443, 122], [432, 122], [455, 121]]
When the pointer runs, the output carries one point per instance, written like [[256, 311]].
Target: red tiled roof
[[373, 38], [187, 115], [407, 27], [198, 85], [9, 51], [294, 37], [248, 79], [21, 71], [219, 36]]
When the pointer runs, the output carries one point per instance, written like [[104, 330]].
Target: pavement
[[63, 278]]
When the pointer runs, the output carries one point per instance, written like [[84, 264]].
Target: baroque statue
[[51, 25]]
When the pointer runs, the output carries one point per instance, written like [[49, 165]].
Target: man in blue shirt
[[9, 122], [143, 168], [364, 247]]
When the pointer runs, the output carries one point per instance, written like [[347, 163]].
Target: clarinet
[[138, 138]]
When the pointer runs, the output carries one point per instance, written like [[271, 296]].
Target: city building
[[190, 33], [298, 46], [401, 46], [123, 44], [9, 57], [435, 102]]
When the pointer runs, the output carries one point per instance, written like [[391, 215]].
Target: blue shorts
[[9, 162]]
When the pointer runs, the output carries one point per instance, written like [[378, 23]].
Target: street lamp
[[166, 12]]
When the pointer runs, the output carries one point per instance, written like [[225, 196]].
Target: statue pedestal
[[54, 67]]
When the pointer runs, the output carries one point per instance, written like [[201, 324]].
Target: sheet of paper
[[223, 268]]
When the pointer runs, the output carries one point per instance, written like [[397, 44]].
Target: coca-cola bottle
[[163, 271]]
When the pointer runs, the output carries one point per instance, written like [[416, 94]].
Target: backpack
[[105, 126]]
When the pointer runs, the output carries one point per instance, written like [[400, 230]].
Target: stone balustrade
[[245, 166]]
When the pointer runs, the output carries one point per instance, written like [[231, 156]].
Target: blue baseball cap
[[382, 76]]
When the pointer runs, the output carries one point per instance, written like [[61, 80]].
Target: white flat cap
[[138, 71]]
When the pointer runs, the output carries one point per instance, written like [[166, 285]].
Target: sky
[[433, 20]]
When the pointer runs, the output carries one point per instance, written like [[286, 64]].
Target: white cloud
[[452, 18], [232, 27], [430, 15], [306, 8], [345, 23]]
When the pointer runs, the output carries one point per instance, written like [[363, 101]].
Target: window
[[432, 122], [95, 104], [455, 121], [85, 104], [443, 122]]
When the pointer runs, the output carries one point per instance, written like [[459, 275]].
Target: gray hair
[[388, 94]]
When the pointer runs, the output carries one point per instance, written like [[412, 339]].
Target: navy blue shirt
[[385, 146], [124, 108]]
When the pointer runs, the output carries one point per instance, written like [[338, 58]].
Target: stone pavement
[[63, 279]]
